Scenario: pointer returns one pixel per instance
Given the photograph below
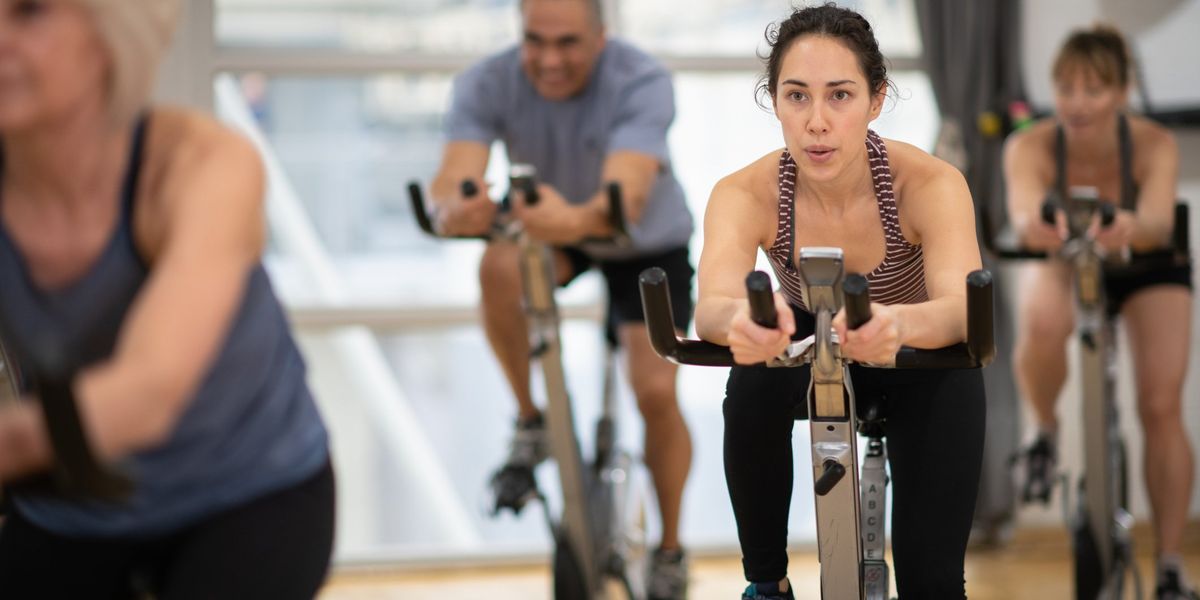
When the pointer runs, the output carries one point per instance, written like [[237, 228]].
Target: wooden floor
[[1035, 565]]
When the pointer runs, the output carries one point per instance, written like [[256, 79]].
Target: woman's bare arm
[[212, 199]]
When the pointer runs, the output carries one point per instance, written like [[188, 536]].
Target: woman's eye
[[27, 8]]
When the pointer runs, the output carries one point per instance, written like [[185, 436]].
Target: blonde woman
[[130, 241], [1093, 141]]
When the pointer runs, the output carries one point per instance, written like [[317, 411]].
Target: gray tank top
[[252, 427]]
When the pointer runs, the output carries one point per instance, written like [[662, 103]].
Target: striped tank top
[[899, 279]]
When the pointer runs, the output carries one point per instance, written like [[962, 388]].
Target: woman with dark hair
[[1094, 141], [902, 217]]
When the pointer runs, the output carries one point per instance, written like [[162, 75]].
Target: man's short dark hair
[[596, 6]]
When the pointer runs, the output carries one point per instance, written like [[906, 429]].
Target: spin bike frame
[[1101, 541], [850, 540], [587, 549]]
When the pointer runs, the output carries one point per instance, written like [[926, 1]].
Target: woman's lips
[[819, 154]]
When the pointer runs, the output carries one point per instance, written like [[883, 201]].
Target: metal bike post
[[831, 425], [541, 310], [1098, 497]]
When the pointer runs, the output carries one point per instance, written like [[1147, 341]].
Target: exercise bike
[[600, 536], [1101, 541], [849, 505]]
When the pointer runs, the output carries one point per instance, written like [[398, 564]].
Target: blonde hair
[[1101, 49], [137, 34]]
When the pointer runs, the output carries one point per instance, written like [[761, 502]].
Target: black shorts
[[624, 297], [277, 546], [1144, 270]]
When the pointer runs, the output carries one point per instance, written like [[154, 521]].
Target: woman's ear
[[877, 100]]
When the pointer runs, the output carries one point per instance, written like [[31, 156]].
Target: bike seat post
[[1099, 508], [832, 428], [574, 527]]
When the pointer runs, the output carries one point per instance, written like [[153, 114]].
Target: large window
[[414, 404], [409, 26], [736, 27]]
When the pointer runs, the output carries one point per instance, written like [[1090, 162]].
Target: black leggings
[[935, 428], [277, 546]]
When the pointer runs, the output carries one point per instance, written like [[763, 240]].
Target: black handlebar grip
[[529, 190], [1049, 208], [834, 471], [656, 305], [77, 471], [468, 188], [1108, 214], [857, 294], [616, 210], [762, 301], [981, 342], [1179, 235], [418, 208]]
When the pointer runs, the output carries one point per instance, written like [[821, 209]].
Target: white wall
[[1161, 34]]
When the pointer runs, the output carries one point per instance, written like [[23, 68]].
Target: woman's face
[[52, 62], [1087, 107], [825, 103]]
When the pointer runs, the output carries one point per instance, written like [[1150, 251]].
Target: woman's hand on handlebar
[[877, 341], [24, 442], [752, 343], [465, 217], [1117, 235], [1036, 234]]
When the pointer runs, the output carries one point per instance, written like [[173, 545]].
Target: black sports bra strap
[[134, 168], [1060, 163], [1125, 141]]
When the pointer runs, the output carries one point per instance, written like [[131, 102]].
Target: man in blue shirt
[[584, 110]]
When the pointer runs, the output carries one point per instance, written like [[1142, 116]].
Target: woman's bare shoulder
[[757, 181], [914, 169], [179, 136], [1148, 133]]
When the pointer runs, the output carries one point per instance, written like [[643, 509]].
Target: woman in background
[[1093, 140]]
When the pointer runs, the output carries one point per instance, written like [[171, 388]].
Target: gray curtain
[[971, 54]]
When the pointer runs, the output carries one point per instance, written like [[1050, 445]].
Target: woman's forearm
[[713, 316], [935, 323], [1149, 234], [125, 408]]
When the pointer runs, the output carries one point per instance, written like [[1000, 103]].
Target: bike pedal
[[1036, 493], [513, 488]]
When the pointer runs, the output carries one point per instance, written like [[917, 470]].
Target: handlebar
[[616, 212], [977, 351], [762, 301], [1049, 213], [856, 294], [418, 207], [77, 471]]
